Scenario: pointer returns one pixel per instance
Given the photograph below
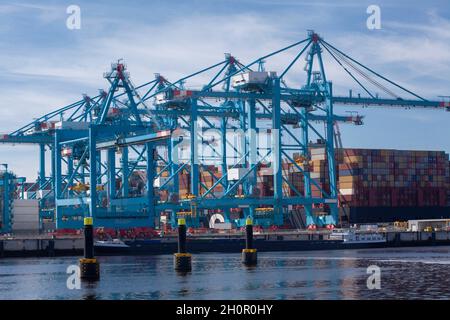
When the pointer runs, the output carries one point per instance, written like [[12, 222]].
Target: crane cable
[[373, 72], [351, 75], [371, 80], [360, 72]]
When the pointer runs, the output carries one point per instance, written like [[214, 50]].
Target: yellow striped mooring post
[[182, 259], [89, 266], [249, 254]]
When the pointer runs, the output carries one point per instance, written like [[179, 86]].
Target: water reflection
[[419, 273]]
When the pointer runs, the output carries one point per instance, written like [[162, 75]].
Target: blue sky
[[45, 65]]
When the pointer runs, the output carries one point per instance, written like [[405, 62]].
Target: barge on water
[[264, 242], [274, 242]]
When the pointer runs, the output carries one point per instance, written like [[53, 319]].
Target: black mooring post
[[249, 254], [182, 259], [88, 239], [181, 236], [248, 234], [89, 266]]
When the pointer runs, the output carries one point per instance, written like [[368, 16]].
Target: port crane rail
[[149, 125]]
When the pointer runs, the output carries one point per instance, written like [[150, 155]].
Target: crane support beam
[[135, 140], [389, 102]]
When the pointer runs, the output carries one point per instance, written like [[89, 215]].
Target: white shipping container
[[25, 218], [253, 77], [21, 213], [25, 214], [346, 192], [21, 226], [236, 173], [25, 203], [159, 181], [25, 210]]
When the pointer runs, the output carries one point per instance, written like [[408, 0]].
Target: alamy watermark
[[73, 21], [373, 22], [207, 145], [374, 280], [73, 280]]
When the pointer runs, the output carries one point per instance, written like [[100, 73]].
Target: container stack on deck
[[389, 185], [264, 182], [208, 177], [318, 169], [380, 185], [374, 185]]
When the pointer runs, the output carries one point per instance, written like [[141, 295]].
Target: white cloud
[[438, 26], [76, 73], [20, 107], [45, 13]]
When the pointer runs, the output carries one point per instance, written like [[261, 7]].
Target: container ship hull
[[157, 246], [383, 214]]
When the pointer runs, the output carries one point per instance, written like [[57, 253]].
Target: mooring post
[[89, 266], [249, 254], [182, 259]]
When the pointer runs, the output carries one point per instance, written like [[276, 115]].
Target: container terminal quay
[[246, 160]]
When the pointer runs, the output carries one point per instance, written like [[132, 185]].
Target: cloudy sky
[[44, 65]]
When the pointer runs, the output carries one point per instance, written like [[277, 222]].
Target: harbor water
[[406, 273]]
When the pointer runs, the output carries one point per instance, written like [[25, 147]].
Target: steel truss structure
[[119, 151]]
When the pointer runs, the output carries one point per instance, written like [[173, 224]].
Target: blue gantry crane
[[10, 185], [125, 151]]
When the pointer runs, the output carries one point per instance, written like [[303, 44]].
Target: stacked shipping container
[[392, 178], [373, 184], [318, 169], [389, 185]]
